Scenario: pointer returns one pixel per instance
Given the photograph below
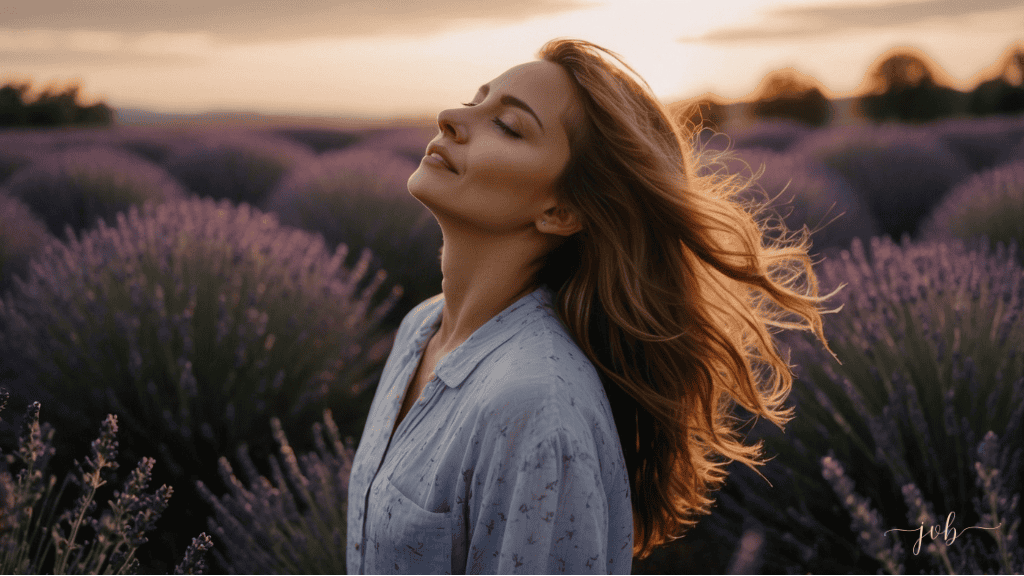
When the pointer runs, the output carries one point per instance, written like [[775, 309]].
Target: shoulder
[[541, 379], [421, 313]]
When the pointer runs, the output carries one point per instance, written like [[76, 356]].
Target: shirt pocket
[[405, 538]]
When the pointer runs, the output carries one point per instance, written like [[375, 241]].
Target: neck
[[483, 274]]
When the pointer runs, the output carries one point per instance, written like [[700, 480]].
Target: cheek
[[516, 174]]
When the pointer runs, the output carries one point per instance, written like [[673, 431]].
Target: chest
[[424, 373]]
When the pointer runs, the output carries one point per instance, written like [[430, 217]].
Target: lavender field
[[230, 296]]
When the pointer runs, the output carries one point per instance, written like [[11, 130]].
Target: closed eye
[[497, 122], [503, 126]]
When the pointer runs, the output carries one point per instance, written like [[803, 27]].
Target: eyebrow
[[509, 100]]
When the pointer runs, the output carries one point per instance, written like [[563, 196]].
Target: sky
[[385, 59]]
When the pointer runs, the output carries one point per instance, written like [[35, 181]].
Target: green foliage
[[904, 89], [34, 539], [911, 104], [1003, 94], [996, 96], [294, 523], [49, 108], [787, 94]]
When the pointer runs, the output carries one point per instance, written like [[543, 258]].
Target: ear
[[559, 220]]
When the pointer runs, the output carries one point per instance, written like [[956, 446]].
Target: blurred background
[[205, 231], [386, 61]]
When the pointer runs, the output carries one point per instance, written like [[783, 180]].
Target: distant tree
[[902, 88], [49, 108], [12, 105], [788, 94], [1003, 94]]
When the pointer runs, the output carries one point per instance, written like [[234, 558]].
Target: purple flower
[[22, 236], [990, 204], [98, 325], [804, 193], [774, 135], [77, 187], [359, 197], [299, 512], [241, 168], [900, 171]]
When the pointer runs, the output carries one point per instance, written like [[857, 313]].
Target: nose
[[450, 125]]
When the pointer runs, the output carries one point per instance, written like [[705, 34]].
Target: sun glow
[[682, 49]]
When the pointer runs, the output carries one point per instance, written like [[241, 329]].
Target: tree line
[[49, 108], [902, 87]]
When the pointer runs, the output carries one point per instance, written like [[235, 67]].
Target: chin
[[420, 187]]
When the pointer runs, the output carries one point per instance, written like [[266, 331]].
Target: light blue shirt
[[509, 463]]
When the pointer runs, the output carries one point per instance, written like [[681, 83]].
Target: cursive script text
[[949, 533]]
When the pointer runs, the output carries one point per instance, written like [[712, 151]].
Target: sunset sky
[[386, 59]]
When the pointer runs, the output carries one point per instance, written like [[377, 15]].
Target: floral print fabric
[[508, 463]]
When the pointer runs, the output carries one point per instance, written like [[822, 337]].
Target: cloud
[[23, 60], [273, 20], [805, 21], [90, 49]]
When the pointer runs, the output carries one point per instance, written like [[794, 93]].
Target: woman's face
[[495, 163]]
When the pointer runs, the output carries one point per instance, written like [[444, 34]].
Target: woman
[[564, 404]]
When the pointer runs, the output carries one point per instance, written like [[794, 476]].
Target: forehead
[[543, 85]]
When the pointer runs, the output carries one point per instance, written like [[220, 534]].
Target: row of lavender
[[199, 322]]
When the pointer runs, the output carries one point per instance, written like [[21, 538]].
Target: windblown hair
[[673, 288]]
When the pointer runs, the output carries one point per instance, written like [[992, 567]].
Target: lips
[[438, 153]]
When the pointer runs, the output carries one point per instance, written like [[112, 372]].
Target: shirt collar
[[454, 368]]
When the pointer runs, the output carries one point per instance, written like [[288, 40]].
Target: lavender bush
[[981, 142], [1016, 152], [292, 524], [196, 321], [777, 135], [923, 418], [320, 140], [80, 186], [901, 172], [55, 139], [22, 235], [153, 144], [805, 194], [34, 539], [408, 142], [360, 197], [15, 157], [238, 168], [989, 204]]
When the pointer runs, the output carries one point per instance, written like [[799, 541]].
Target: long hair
[[673, 288]]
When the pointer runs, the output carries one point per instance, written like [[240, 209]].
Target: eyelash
[[497, 122]]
